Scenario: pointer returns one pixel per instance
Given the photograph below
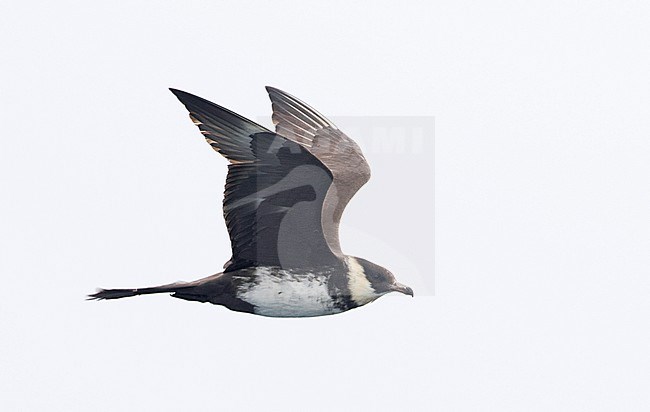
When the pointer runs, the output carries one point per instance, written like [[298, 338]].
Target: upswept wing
[[302, 124], [274, 194]]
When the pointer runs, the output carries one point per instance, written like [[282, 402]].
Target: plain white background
[[542, 232]]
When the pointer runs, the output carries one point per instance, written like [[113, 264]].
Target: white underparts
[[281, 293], [361, 291]]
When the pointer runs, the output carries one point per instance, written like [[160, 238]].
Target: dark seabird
[[284, 197]]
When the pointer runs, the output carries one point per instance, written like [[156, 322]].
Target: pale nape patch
[[361, 290]]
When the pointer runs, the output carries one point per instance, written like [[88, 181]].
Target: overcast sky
[[538, 296]]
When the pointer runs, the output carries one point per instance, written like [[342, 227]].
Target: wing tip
[[183, 96], [274, 91]]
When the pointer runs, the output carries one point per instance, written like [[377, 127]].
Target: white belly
[[285, 294]]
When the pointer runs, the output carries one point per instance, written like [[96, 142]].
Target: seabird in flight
[[284, 197]]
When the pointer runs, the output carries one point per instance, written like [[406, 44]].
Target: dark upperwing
[[343, 158], [274, 194]]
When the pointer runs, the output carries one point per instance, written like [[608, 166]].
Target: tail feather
[[105, 294], [102, 294]]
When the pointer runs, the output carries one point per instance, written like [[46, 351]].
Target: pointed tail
[[103, 294]]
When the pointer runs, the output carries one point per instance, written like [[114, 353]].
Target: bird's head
[[367, 281]]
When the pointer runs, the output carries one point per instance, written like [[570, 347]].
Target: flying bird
[[284, 196]]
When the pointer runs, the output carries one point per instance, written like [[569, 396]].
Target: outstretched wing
[[341, 155], [274, 193]]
